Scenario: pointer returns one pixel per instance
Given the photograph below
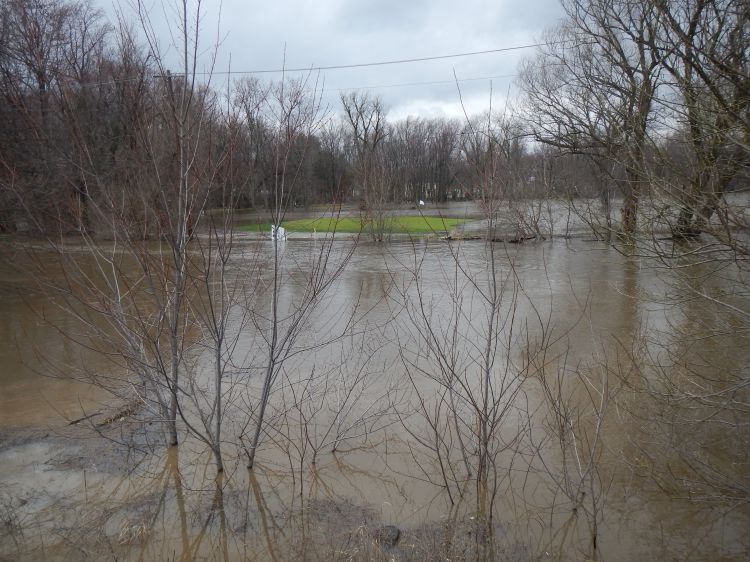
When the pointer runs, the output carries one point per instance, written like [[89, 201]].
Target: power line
[[378, 86], [378, 63], [343, 66]]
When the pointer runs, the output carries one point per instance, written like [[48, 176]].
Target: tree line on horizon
[[625, 100]]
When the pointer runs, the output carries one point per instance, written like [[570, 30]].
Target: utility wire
[[379, 63], [379, 86], [339, 67]]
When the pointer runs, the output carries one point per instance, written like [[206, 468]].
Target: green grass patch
[[397, 225]]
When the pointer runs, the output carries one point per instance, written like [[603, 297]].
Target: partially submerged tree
[[368, 127], [591, 91], [704, 52], [295, 115]]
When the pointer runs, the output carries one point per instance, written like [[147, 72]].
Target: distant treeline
[[625, 98]]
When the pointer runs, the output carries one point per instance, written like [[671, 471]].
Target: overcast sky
[[340, 32]]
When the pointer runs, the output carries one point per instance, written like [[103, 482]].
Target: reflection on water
[[617, 342]]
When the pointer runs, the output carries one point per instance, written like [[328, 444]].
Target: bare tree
[[591, 91], [701, 42], [295, 115], [131, 294], [47, 47], [366, 118]]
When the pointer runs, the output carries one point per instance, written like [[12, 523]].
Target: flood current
[[609, 438]]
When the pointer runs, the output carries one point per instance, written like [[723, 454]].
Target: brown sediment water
[[72, 493], [35, 356]]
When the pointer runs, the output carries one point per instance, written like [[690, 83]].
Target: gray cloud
[[370, 15], [330, 32]]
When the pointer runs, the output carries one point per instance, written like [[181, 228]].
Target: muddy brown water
[[66, 493]]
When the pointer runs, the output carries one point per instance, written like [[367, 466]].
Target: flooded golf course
[[463, 400]]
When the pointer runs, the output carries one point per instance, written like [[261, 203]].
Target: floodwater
[[644, 464]]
